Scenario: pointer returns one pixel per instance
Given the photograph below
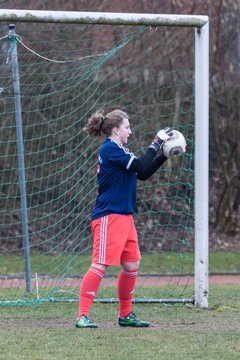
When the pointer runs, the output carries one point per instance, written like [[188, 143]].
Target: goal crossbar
[[102, 18]]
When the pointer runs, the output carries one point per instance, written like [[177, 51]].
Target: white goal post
[[201, 26]]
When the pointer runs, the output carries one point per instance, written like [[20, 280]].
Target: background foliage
[[224, 95]]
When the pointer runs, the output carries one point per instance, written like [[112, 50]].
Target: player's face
[[124, 131]]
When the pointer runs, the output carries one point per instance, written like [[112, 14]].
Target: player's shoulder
[[107, 146], [109, 143], [112, 145]]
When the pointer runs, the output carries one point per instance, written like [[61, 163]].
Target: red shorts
[[114, 240]]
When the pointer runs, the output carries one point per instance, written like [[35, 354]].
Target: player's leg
[[89, 287], [107, 251], [130, 261], [92, 279], [126, 284], [88, 291]]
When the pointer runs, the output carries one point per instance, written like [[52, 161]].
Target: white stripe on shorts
[[103, 240]]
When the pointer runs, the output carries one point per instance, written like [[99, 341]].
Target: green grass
[[178, 331], [65, 266], [157, 263]]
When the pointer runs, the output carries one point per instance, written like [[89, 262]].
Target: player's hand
[[162, 136]]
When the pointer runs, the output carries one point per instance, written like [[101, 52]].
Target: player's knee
[[133, 265], [102, 267]]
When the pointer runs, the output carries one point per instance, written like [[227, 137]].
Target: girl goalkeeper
[[115, 238]]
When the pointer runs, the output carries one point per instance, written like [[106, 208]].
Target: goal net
[[66, 72]]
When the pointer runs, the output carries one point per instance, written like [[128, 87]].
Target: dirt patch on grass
[[69, 323]]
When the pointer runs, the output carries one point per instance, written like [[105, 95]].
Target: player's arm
[[152, 168], [147, 164]]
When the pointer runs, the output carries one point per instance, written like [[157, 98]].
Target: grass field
[[170, 262], [46, 331], [12, 283], [177, 331]]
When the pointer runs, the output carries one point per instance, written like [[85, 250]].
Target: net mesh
[[66, 73]]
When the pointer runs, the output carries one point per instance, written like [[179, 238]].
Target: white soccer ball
[[175, 146]]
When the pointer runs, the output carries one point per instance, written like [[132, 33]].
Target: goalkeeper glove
[[160, 138]]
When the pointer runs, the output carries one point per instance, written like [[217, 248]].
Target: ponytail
[[95, 124]]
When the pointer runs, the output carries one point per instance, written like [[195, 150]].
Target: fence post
[[20, 149]]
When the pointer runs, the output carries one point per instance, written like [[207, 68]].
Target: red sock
[[126, 284], [89, 289]]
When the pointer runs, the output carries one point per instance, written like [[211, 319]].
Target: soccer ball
[[175, 146]]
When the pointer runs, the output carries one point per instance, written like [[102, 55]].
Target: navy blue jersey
[[117, 184]]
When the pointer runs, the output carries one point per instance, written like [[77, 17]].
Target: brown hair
[[99, 123]]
